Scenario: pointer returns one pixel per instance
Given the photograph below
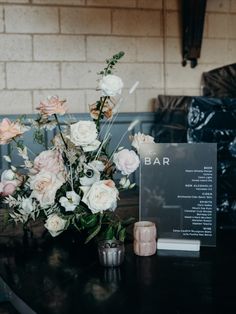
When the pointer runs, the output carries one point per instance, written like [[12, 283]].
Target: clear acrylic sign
[[178, 190]]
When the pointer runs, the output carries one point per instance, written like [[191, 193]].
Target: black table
[[61, 275]]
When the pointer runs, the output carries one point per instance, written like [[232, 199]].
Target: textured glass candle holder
[[111, 253], [145, 234]]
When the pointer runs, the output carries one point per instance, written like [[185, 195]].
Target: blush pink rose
[[9, 182], [52, 105], [127, 161], [10, 130], [48, 160], [44, 186]]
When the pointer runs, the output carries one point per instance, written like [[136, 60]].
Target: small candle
[[145, 238]]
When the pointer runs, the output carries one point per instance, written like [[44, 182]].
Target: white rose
[[45, 185], [55, 224], [71, 200], [141, 138], [84, 133], [111, 85], [100, 196], [127, 161]]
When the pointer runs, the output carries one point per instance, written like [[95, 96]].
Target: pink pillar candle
[[145, 238]]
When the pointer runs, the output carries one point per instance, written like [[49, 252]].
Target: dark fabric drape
[[171, 118], [220, 82]]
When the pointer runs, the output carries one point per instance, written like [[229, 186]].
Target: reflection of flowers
[[232, 148], [100, 291], [194, 116]]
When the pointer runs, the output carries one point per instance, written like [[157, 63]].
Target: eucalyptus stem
[[60, 130]]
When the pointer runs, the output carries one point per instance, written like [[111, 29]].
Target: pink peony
[[48, 160], [52, 105], [9, 130]]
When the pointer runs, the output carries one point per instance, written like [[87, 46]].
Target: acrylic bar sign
[[178, 190]]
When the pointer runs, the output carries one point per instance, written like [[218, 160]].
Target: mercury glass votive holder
[[111, 253]]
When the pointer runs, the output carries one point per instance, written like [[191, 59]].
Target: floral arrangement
[[72, 183]]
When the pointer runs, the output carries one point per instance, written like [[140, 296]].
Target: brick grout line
[[86, 48], [5, 75], [59, 19], [60, 75], [32, 101], [111, 21], [32, 48], [3, 19]]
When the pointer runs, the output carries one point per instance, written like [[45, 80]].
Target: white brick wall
[[28, 19], [85, 21], [100, 47], [15, 47], [33, 75], [136, 23], [58, 46], [75, 99], [1, 19], [2, 76], [12, 101]]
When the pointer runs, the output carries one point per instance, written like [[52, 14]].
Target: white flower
[[98, 164], [100, 196], [84, 133], [8, 175], [124, 182], [91, 175], [111, 85], [27, 205], [45, 185], [71, 200], [141, 138], [92, 172], [55, 224], [127, 161]]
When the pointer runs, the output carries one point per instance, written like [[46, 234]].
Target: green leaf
[[128, 221], [89, 221], [93, 234], [122, 234], [109, 233]]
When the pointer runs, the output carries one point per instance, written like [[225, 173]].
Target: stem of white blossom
[[71, 177]]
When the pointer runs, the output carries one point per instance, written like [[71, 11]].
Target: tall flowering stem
[[60, 130]]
